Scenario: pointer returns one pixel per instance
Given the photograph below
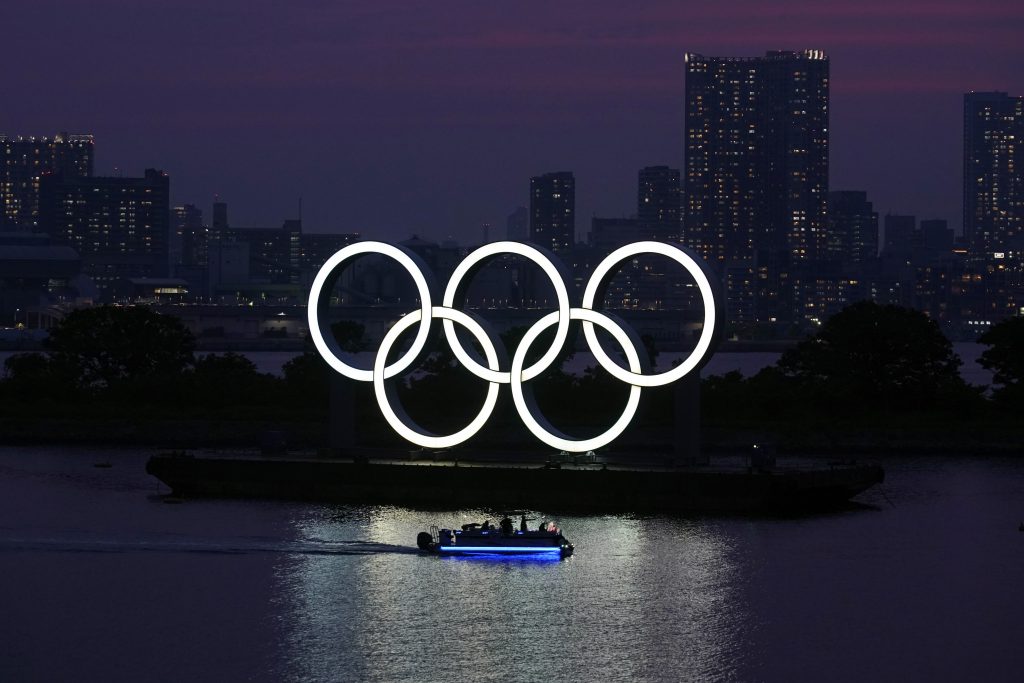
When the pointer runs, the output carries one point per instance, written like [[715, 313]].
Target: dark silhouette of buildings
[[188, 236], [220, 215], [119, 226], [993, 175], [756, 172], [517, 225], [900, 234], [24, 160], [553, 210], [659, 201]]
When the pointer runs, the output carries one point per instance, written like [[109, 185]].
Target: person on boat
[[486, 526], [543, 526], [506, 526], [522, 522]]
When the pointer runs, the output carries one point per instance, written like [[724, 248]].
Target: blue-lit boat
[[474, 540]]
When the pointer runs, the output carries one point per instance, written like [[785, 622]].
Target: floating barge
[[594, 487]]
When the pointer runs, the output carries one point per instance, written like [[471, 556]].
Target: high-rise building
[[993, 173], [659, 202], [756, 170], [852, 228], [24, 160], [119, 226], [553, 210]]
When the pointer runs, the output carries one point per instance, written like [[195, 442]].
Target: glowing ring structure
[[324, 340], [401, 422], [547, 262], [528, 410], [599, 280], [495, 356]]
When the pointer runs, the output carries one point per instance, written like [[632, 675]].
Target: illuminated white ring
[[324, 341], [543, 259], [402, 423], [544, 433], [599, 280]]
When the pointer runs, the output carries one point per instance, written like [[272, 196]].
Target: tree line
[[865, 361]]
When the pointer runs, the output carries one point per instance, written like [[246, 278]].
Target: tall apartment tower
[[24, 160], [119, 226], [756, 167], [553, 210], [659, 201], [993, 172], [852, 228]]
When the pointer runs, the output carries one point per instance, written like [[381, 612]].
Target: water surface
[[103, 580]]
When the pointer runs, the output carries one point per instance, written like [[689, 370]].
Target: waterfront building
[[119, 226], [553, 210], [24, 160], [275, 254], [34, 275]]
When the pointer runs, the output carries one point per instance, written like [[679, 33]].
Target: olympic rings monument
[[494, 366], [682, 485]]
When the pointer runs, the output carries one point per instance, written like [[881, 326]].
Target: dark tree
[[886, 355], [32, 376], [307, 376], [1005, 358], [351, 335], [100, 347], [230, 379]]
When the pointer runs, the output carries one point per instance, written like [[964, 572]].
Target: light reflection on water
[[640, 600], [104, 581]]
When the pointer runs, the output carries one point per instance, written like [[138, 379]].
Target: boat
[[476, 539]]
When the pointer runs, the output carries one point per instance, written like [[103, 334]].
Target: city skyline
[[458, 119]]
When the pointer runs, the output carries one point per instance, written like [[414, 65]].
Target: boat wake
[[234, 546]]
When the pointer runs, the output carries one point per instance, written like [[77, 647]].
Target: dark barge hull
[[446, 486]]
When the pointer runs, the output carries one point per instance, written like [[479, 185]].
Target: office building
[[24, 160], [553, 210]]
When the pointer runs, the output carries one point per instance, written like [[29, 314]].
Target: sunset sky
[[390, 118]]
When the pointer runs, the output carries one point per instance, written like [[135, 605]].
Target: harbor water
[[105, 578]]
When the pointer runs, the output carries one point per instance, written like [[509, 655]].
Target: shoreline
[[988, 437]]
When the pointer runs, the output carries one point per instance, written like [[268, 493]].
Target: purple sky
[[397, 117]]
